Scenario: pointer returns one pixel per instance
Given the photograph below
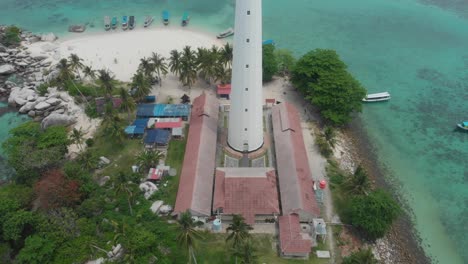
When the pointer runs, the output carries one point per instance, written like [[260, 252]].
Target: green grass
[[214, 250]]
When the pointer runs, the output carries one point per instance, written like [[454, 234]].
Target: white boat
[[228, 32], [463, 125], [377, 97], [148, 21], [107, 23]]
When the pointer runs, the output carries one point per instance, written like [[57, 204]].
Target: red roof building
[[293, 243], [197, 176], [168, 122], [294, 176], [224, 89], [249, 192]]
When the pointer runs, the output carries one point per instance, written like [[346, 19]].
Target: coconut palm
[[123, 183], [149, 159], [245, 252], [77, 137], [226, 55], [159, 65], [75, 63], [89, 72], [146, 67], [128, 103], [207, 62], [142, 85], [239, 230], [87, 160], [222, 74], [329, 135], [174, 62], [66, 74], [363, 256], [112, 123], [188, 67], [107, 81], [188, 235], [358, 183]]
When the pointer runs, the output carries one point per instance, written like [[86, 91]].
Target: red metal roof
[[154, 174], [246, 191], [291, 240], [170, 124], [295, 178], [196, 179], [224, 89]]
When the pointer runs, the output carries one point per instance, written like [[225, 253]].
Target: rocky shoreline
[[22, 73]]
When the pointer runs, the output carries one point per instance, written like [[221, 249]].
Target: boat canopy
[[378, 95], [114, 20], [185, 16], [124, 19], [465, 123], [268, 41], [165, 15]]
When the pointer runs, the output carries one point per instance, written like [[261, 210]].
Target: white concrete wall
[[246, 114]]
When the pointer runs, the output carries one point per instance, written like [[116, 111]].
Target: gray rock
[[49, 37], [48, 47], [4, 55], [27, 107], [7, 69], [3, 90], [53, 101], [20, 101], [2, 48], [57, 119], [34, 39], [31, 114], [52, 76], [42, 106]]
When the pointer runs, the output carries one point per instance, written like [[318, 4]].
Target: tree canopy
[[324, 80], [270, 65]]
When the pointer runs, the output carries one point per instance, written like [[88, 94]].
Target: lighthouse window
[[247, 40], [248, 12], [246, 89], [245, 129], [246, 110], [247, 66]]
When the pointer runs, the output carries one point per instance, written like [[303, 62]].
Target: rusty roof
[[291, 239]]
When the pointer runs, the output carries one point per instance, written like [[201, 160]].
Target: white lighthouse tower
[[245, 132]]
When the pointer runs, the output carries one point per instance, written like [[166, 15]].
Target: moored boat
[[114, 23], [124, 22], [107, 23], [268, 42], [148, 21], [228, 32], [131, 22], [185, 19], [463, 125], [377, 97], [165, 15]]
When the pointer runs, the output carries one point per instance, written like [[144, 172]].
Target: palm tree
[[88, 160], [66, 74], [142, 85], [76, 63], [77, 137], [112, 123], [188, 67], [128, 103], [188, 235], [107, 81], [174, 62], [206, 61], [123, 186], [239, 230], [146, 67], [149, 159], [159, 65], [89, 72], [226, 55], [359, 183], [329, 134], [222, 74], [363, 256], [246, 253]]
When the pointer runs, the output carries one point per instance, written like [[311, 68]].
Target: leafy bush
[[324, 147], [42, 89], [91, 110], [270, 65], [374, 213], [286, 61], [11, 36], [89, 142], [363, 256]]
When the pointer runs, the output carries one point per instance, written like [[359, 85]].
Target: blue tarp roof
[[130, 129], [142, 122], [134, 130], [268, 41], [163, 110], [158, 136]]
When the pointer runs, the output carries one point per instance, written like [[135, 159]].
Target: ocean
[[416, 50]]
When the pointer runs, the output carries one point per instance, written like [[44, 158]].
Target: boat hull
[[462, 127], [376, 100]]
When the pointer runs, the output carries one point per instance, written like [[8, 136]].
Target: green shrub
[[11, 36], [91, 110], [363, 256], [89, 142], [324, 147], [42, 89], [270, 65]]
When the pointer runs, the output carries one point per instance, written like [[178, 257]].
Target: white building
[[246, 113]]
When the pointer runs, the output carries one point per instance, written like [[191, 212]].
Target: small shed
[[154, 174], [101, 103], [168, 123], [177, 132], [134, 131], [224, 90], [157, 138], [185, 99]]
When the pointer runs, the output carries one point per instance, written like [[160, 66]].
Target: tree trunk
[[130, 206], [193, 255]]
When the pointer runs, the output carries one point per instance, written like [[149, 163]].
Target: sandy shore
[[121, 51]]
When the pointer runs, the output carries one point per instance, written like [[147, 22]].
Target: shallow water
[[416, 50]]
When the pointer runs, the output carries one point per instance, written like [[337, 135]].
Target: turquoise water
[[415, 50]]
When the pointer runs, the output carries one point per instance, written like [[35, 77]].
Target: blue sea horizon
[[416, 50]]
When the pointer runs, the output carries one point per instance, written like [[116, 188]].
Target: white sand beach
[[121, 51]]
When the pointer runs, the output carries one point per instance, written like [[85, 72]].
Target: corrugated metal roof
[[196, 179], [291, 240], [246, 191], [295, 178], [158, 136]]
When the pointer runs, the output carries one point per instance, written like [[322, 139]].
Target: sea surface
[[416, 50]]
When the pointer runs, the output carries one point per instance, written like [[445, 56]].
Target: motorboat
[[148, 21], [228, 32], [107, 23], [185, 19], [268, 42], [463, 125], [125, 22], [114, 23], [165, 16], [131, 22], [377, 97]]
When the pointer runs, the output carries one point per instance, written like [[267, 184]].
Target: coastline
[[403, 237]]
